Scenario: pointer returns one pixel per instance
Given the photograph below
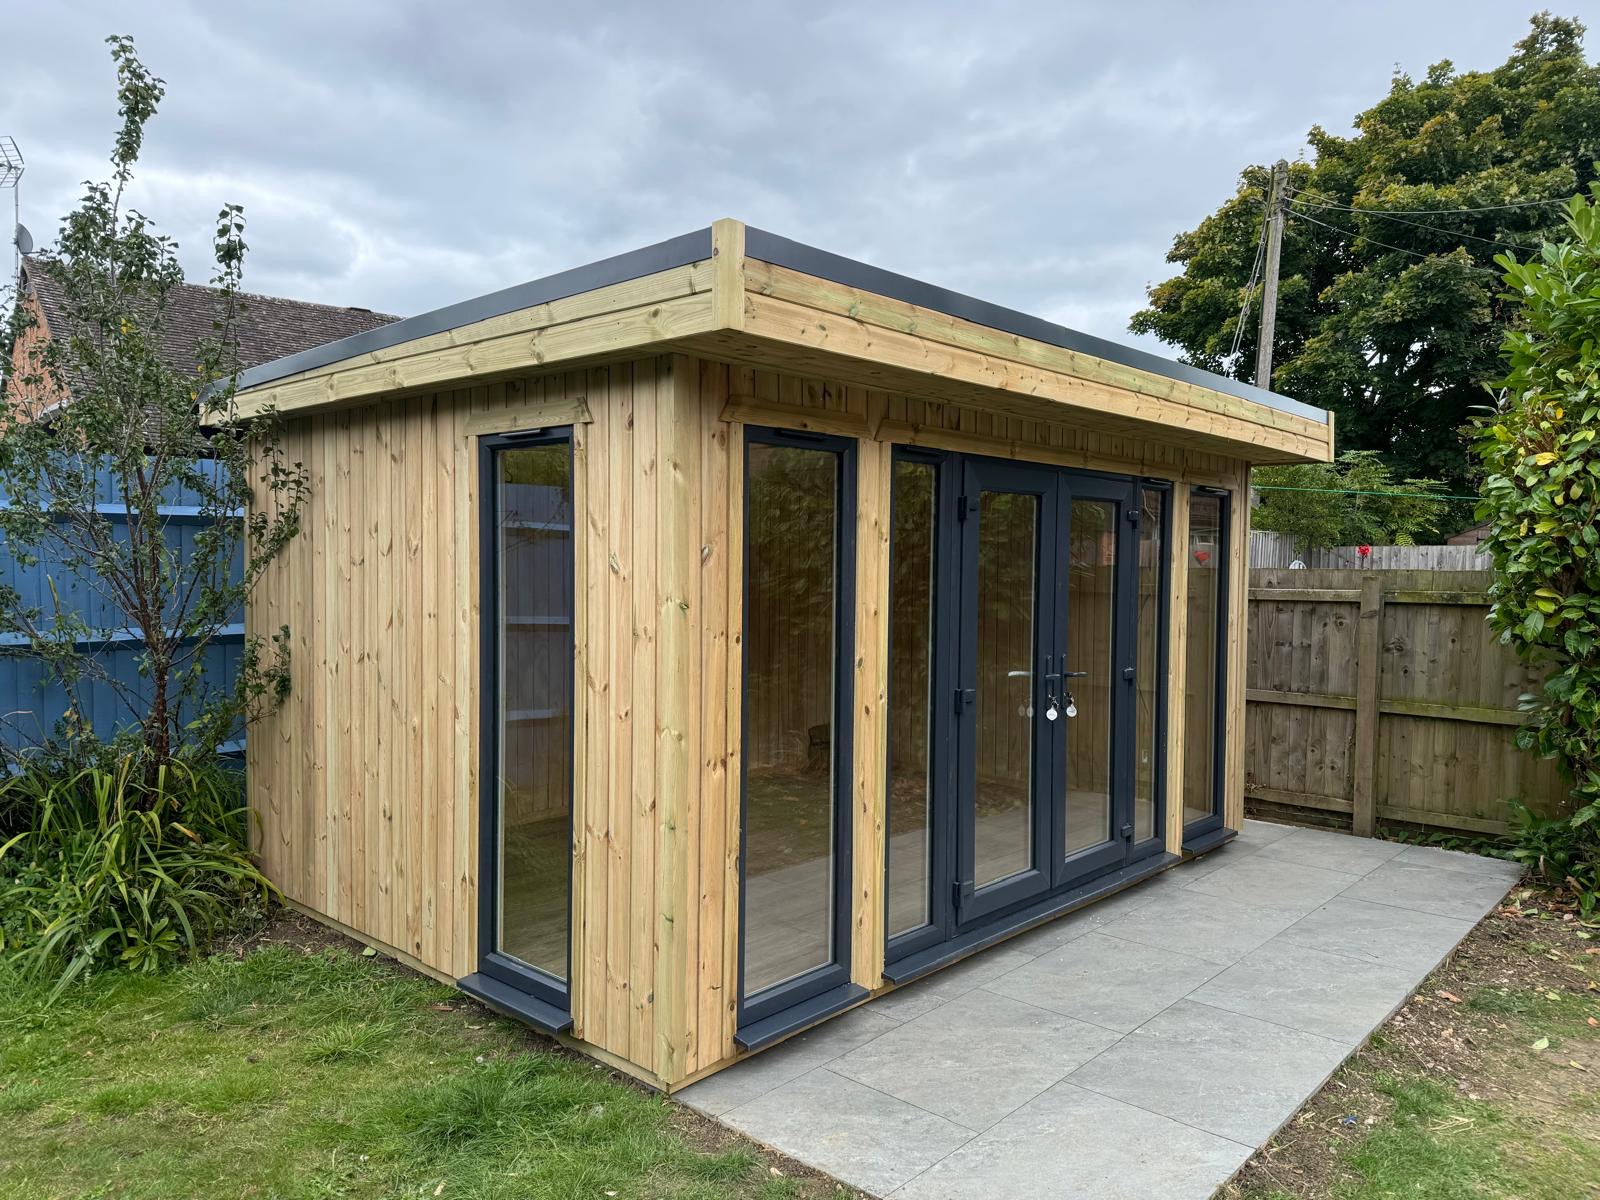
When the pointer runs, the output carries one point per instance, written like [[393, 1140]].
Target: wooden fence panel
[[1407, 715]]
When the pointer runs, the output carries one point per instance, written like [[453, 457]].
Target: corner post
[[1364, 753], [727, 273]]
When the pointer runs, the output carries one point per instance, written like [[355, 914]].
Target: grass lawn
[[1486, 1084], [297, 1068]]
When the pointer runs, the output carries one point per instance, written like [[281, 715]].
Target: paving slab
[[760, 1073], [1257, 834], [1107, 981], [1438, 890], [1459, 860], [925, 995], [1231, 1075], [1333, 851], [1379, 933], [1143, 1047], [1216, 929], [929, 1061], [1274, 883], [849, 1130], [1310, 990], [1073, 1142]]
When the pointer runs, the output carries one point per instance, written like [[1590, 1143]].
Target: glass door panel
[[1007, 593], [1089, 705], [1004, 710]]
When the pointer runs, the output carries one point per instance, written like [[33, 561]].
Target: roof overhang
[[745, 295]]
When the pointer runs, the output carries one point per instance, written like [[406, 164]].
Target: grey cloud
[[402, 155]]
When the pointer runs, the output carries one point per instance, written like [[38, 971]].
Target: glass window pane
[[910, 684], [1007, 558], [535, 636], [1204, 565], [1091, 611], [790, 622], [1147, 698]]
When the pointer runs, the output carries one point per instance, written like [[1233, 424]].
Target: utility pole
[[1277, 200]]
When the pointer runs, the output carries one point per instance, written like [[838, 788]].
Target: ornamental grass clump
[[100, 867]]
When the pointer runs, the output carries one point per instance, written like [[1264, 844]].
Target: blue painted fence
[[32, 698]]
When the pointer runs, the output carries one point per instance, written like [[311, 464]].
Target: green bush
[[1540, 446], [1559, 852], [112, 865]]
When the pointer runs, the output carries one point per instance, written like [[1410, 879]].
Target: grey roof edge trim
[[783, 252], [648, 260]]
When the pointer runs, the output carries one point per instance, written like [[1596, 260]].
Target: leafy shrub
[[115, 865], [1561, 852], [1540, 446]]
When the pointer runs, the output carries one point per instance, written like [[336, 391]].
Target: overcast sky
[[402, 155]]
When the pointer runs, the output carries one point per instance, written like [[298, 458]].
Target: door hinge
[[965, 699], [1133, 517], [964, 505], [960, 890], [1127, 831]]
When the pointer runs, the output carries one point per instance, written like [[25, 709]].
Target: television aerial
[[11, 168]]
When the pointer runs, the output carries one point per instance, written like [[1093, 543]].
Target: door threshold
[[507, 999], [797, 1016], [925, 962], [1206, 842]]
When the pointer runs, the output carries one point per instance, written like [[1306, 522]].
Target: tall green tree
[[1394, 320]]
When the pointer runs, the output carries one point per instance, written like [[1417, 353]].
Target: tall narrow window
[[911, 647], [533, 664], [1148, 758], [1207, 569], [796, 736]]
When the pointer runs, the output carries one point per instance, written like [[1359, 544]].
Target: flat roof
[[782, 252]]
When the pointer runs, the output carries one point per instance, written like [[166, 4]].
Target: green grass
[[1524, 1122], [326, 1075]]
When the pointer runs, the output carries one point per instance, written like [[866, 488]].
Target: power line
[[1397, 249], [1250, 284], [1428, 212], [1449, 233], [1270, 487]]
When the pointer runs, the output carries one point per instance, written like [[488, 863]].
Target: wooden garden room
[[691, 646]]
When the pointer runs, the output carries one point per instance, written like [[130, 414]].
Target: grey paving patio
[[1141, 1048]]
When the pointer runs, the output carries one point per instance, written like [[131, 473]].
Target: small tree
[[1540, 445], [1343, 503], [130, 419]]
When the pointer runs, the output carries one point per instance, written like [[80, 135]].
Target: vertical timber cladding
[[367, 780]]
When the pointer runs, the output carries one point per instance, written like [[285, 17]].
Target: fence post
[[1364, 753]]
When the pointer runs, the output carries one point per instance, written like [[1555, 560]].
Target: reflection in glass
[[790, 622], [1091, 596], [1204, 565], [1007, 554], [1147, 697], [910, 681], [534, 489]]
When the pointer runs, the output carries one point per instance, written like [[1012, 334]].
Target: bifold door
[[1027, 605]]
